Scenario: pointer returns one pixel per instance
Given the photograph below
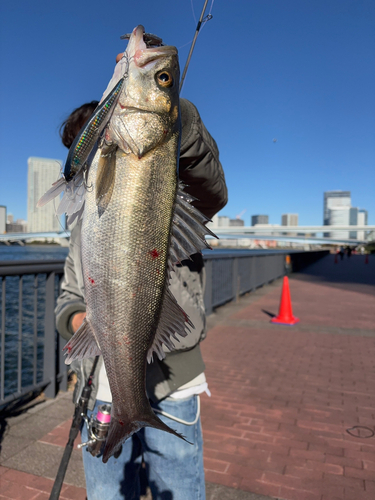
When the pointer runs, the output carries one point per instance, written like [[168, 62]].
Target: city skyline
[[302, 73], [49, 170]]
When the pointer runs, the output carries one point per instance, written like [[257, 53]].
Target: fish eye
[[164, 79]]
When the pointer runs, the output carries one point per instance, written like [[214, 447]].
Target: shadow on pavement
[[270, 314], [351, 273]]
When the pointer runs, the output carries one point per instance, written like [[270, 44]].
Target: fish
[[137, 224]]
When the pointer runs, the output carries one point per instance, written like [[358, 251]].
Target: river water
[[33, 291]]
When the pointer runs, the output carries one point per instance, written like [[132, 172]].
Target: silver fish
[[137, 224]]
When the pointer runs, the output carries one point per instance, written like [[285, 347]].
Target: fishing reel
[[97, 429]]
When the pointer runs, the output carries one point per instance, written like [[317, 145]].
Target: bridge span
[[304, 235]]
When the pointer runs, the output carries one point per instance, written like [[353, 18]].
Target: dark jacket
[[201, 171]]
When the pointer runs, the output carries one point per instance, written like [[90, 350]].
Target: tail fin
[[120, 431]]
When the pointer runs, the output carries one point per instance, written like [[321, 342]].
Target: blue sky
[[299, 71]]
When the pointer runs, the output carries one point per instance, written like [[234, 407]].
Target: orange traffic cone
[[336, 259], [285, 316]]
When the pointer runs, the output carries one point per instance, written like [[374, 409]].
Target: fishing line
[[204, 22], [192, 8], [199, 25], [179, 420]]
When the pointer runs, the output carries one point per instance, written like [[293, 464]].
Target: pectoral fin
[[105, 178], [82, 345]]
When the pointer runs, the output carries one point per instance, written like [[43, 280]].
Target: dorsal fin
[[188, 229]]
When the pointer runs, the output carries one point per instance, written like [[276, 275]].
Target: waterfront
[[32, 252], [24, 320]]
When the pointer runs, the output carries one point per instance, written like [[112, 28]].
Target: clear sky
[[299, 71]]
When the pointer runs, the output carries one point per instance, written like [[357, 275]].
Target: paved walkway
[[282, 399]]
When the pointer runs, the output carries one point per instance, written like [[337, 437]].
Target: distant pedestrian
[[349, 252], [342, 253]]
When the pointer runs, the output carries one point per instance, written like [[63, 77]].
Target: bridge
[[303, 235], [266, 232]]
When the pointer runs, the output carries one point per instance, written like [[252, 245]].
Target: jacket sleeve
[[71, 299], [199, 167]]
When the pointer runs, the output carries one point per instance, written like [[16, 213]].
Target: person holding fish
[[133, 283]]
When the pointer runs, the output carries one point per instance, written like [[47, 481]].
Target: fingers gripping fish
[[137, 224]]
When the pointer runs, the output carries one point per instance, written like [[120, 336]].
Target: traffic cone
[[336, 259], [285, 316]]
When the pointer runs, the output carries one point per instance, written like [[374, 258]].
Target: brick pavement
[[282, 399]]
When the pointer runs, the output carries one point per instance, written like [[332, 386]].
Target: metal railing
[[31, 351], [31, 355], [233, 273]]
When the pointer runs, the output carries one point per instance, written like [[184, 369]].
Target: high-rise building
[[223, 221], [289, 220], [362, 220], [353, 221], [42, 173], [236, 222], [3, 218], [339, 216], [259, 219], [335, 199], [20, 226]]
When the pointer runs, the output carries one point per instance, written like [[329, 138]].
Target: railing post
[[2, 343], [235, 276], [49, 365], [208, 286]]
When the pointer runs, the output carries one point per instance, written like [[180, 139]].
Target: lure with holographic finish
[[89, 134]]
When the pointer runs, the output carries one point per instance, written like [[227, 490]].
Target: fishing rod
[[79, 414], [199, 25]]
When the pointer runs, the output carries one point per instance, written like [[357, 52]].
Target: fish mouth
[[143, 55], [136, 109]]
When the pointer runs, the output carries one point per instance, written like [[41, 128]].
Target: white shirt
[[195, 386]]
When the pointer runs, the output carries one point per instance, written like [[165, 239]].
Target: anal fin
[[173, 322]]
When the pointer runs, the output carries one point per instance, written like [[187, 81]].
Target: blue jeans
[[173, 468]]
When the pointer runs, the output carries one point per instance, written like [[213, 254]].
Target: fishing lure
[[89, 134]]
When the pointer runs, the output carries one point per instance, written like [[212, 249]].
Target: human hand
[[77, 320]]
